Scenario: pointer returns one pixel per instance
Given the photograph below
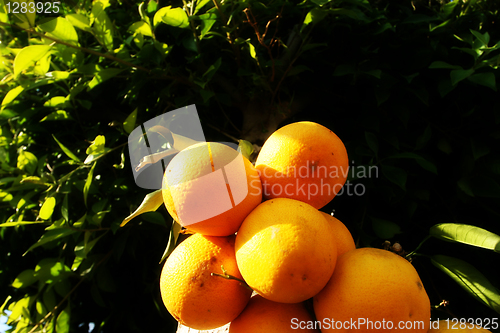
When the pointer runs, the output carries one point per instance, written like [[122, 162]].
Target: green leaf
[[64, 208], [172, 240], [152, 6], [395, 175], [27, 161], [442, 64], [129, 123], [52, 235], [314, 16], [372, 141], [467, 234], [427, 165], [458, 75], [47, 208], [142, 28], [25, 279], [79, 21], [61, 29], [15, 224], [24, 20], [385, 229], [56, 101], [102, 26], [483, 38], [5, 197], [28, 56], [97, 146], [67, 151], [470, 279], [4, 17], [150, 203], [62, 321], [245, 148], [175, 17], [57, 115], [103, 75], [88, 182], [11, 95], [484, 79]]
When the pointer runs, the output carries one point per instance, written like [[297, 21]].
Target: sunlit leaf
[[61, 29], [103, 75], [27, 161], [88, 182], [47, 208], [4, 17], [150, 203], [97, 145], [172, 240], [57, 115], [176, 17], [11, 95], [24, 20], [28, 56], [467, 234], [129, 123], [66, 150], [103, 26], [245, 148], [79, 21], [470, 279], [52, 235], [25, 279], [141, 27], [62, 321]]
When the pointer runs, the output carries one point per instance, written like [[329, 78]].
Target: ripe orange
[[374, 289], [453, 325], [285, 250], [265, 316], [343, 237], [304, 161], [210, 188], [191, 294]]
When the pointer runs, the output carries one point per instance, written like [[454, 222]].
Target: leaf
[[79, 21], [62, 321], [24, 20], [97, 146], [142, 28], [88, 182], [50, 236], [25, 279], [442, 64], [484, 39], [172, 240], [57, 115], [103, 75], [467, 234], [47, 208], [427, 165], [11, 95], [4, 17], [56, 101], [15, 224], [150, 203], [245, 148], [27, 161], [28, 56], [66, 150], [61, 29], [102, 25], [470, 279], [129, 123], [385, 229], [175, 17], [395, 175], [484, 79], [314, 16], [458, 75]]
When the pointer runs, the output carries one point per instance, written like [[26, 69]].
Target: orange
[[194, 296], [343, 237], [454, 325], [210, 188], [285, 250], [373, 290], [264, 316], [304, 161]]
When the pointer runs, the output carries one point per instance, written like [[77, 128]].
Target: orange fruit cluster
[[259, 229]]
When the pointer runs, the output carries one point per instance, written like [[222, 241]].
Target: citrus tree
[[409, 86]]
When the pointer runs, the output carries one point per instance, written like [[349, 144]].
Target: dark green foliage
[[409, 86]]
